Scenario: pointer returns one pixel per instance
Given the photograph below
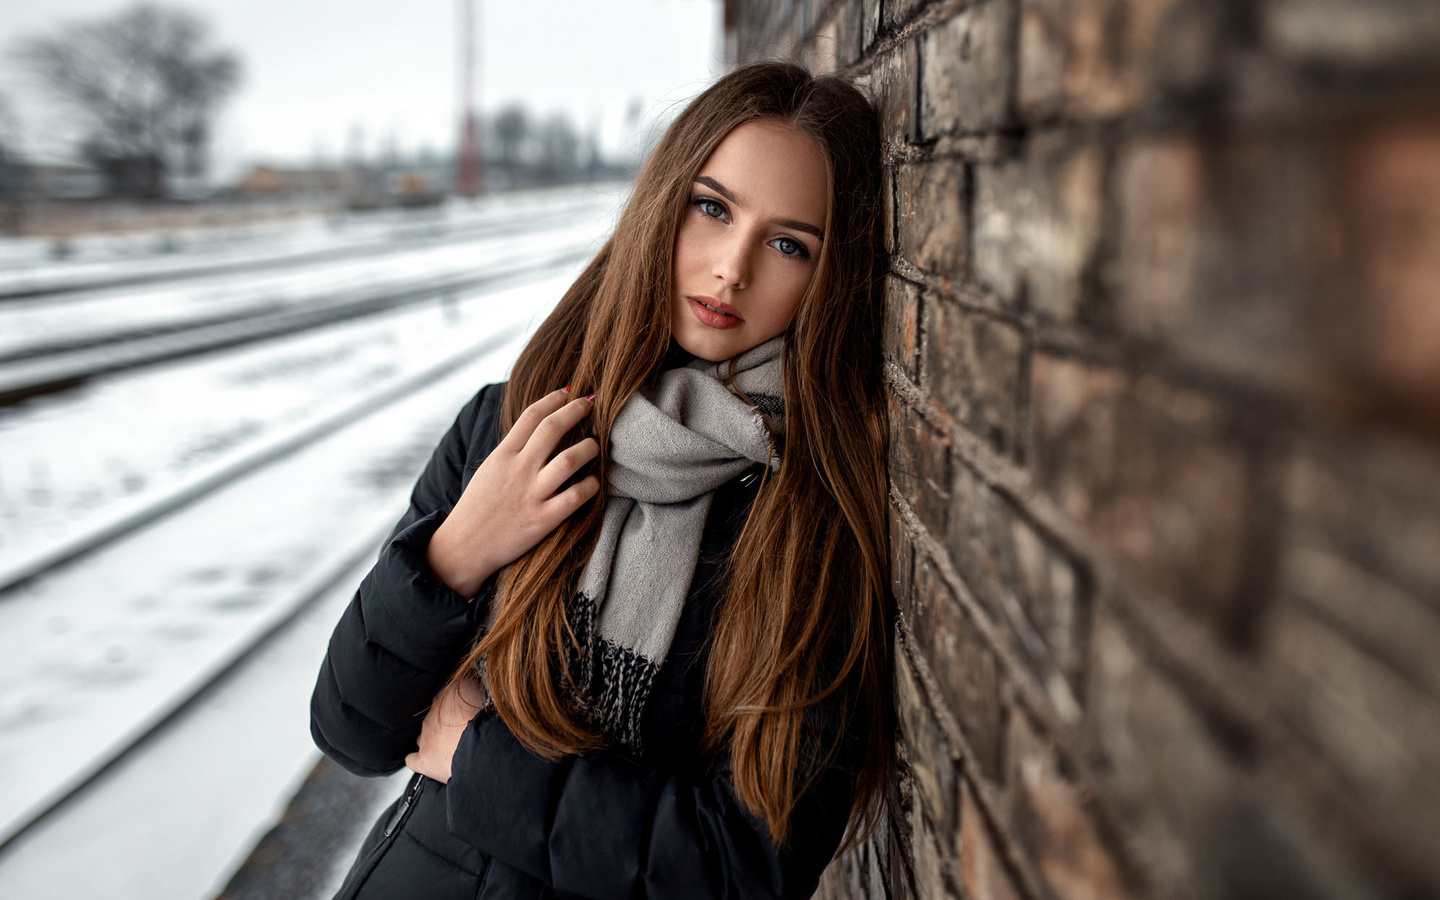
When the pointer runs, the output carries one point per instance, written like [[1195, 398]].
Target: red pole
[[472, 172]]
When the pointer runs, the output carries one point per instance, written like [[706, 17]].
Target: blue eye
[[791, 247], [710, 208]]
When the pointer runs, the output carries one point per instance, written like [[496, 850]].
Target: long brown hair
[[808, 576]]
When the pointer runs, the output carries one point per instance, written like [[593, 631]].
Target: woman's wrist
[[456, 562]]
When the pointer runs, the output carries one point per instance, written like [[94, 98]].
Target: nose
[[732, 262]]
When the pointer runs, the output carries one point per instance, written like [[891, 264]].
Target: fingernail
[[589, 396], [566, 389]]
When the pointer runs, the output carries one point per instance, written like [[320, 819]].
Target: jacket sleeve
[[602, 825], [404, 631]]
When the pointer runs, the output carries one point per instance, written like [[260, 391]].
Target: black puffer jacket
[[511, 824]]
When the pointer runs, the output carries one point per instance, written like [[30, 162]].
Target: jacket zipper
[[404, 807]]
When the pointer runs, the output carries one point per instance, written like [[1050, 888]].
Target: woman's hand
[[514, 499], [440, 732]]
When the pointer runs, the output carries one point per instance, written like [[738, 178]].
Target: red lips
[[714, 313]]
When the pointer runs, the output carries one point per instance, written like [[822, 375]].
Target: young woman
[[632, 634]]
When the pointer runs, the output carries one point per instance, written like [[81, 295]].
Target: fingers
[[565, 503], [547, 434], [533, 415], [565, 464]]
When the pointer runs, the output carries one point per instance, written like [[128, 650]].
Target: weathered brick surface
[[968, 70], [1037, 226], [977, 362], [1163, 343], [931, 224]]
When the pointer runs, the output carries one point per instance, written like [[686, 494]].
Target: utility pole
[[472, 169]]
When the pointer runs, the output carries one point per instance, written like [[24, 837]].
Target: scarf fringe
[[616, 681]]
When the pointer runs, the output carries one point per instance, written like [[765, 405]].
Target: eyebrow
[[723, 191]]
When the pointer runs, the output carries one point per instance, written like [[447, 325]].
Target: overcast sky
[[314, 70]]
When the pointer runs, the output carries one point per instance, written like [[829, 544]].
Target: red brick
[[1102, 58], [982, 868], [1379, 344]]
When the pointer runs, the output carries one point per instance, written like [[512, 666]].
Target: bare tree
[[146, 85]]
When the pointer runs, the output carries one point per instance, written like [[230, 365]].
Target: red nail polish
[[589, 396], [566, 389]]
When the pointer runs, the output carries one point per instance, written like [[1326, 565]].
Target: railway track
[[401, 237], [323, 577], [71, 578], [38, 374]]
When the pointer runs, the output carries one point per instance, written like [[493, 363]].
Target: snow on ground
[[174, 821], [69, 459], [30, 263], [90, 315], [92, 654]]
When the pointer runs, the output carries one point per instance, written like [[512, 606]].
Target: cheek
[[790, 292]]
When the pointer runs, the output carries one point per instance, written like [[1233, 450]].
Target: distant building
[[272, 181]]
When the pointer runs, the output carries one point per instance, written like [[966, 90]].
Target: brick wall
[[1164, 367]]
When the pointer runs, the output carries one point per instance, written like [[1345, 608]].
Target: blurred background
[[253, 259]]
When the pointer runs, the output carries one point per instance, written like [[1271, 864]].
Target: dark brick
[[1169, 773], [1037, 226], [932, 228], [1373, 725], [904, 469], [1056, 827], [932, 763], [932, 461], [898, 12], [1219, 251], [1191, 801], [965, 668], [902, 325], [1151, 471], [896, 92], [871, 22], [1053, 597], [967, 70], [932, 859], [976, 524], [974, 363], [902, 561]]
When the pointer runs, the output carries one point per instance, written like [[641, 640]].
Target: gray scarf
[[670, 448]]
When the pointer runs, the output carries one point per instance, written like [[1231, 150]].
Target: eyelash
[[801, 251]]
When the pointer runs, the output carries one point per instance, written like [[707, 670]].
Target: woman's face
[[750, 241]]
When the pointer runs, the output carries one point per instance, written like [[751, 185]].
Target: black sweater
[[512, 824]]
